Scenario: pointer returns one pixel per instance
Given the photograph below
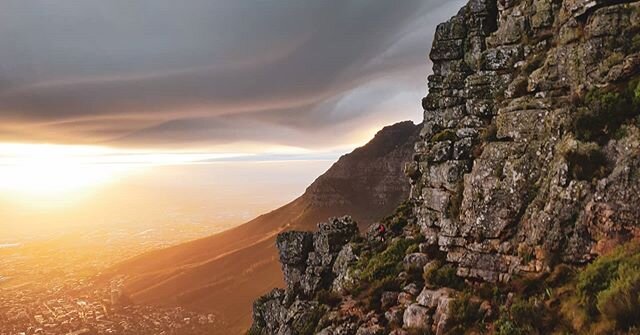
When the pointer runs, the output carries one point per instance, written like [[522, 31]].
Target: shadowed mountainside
[[224, 273]]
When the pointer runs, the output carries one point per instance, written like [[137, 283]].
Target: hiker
[[381, 231]]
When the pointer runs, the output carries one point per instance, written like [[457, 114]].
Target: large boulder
[[433, 298], [309, 259], [341, 269], [294, 246], [417, 317]]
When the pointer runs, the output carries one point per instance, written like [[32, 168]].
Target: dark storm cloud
[[208, 72]]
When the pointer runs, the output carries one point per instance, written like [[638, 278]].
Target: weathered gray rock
[[411, 288], [415, 260], [394, 316], [370, 330], [417, 317], [405, 299], [274, 314], [308, 259], [294, 247], [509, 96], [434, 298], [442, 315], [342, 269], [388, 299]]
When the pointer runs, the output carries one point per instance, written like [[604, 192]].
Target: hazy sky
[[212, 74]]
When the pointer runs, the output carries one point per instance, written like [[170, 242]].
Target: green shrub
[[621, 300], [400, 218], [527, 285], [489, 291], [388, 263], [504, 326], [596, 278], [443, 275], [445, 135], [465, 313], [373, 295], [524, 316], [560, 275], [611, 286], [607, 110], [527, 313]]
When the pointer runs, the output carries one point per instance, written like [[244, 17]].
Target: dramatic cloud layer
[[203, 73]]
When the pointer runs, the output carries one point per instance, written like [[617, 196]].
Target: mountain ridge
[[218, 273]]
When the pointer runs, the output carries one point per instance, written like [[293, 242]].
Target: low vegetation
[[606, 110], [465, 314], [443, 275], [445, 135], [400, 218], [609, 289], [386, 264], [601, 298]]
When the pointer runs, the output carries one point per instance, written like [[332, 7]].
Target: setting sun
[[46, 170]]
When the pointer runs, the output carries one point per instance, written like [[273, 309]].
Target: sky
[[205, 111], [226, 75]]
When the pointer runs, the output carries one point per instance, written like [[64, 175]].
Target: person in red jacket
[[381, 231]]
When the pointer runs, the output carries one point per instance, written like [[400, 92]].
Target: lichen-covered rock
[[394, 316], [434, 298], [388, 299], [442, 315], [405, 299], [274, 313], [346, 328], [491, 176], [342, 269], [294, 247], [309, 265], [417, 317], [308, 259], [415, 260]]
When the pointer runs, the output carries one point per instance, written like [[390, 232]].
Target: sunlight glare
[[53, 170], [40, 170]]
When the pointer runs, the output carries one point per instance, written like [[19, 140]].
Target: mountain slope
[[224, 273], [523, 216]]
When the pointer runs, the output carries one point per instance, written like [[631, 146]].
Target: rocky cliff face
[[527, 165], [495, 174]]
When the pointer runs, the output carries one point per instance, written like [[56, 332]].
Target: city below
[[54, 285]]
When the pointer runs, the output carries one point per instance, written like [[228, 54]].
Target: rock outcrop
[[527, 168], [309, 265], [492, 172]]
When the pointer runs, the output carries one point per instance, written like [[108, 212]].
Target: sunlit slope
[[224, 273]]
